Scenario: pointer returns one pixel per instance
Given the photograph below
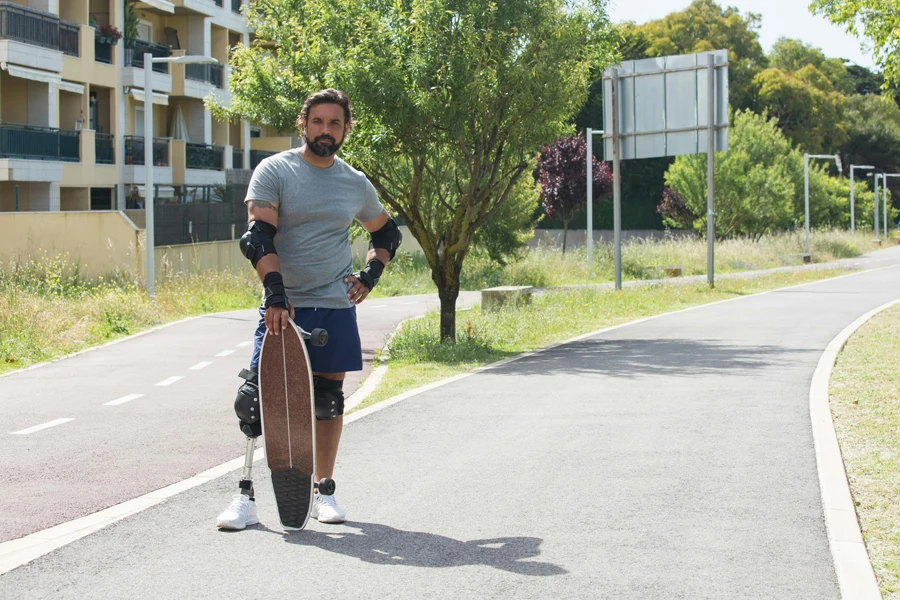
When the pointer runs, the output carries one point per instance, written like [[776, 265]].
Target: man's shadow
[[383, 545]]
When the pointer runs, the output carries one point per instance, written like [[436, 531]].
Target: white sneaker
[[326, 510], [240, 513]]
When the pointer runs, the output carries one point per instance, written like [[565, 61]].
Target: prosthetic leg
[[246, 406]]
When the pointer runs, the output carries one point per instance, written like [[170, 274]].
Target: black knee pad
[[329, 398], [246, 404]]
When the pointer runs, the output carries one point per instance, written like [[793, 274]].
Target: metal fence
[[102, 52], [39, 143], [202, 156], [68, 38], [30, 26], [134, 151], [105, 149], [207, 73], [200, 214], [157, 50], [237, 158], [256, 157]]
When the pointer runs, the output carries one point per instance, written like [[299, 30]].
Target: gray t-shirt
[[315, 209]]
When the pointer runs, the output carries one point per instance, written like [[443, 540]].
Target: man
[[309, 198]]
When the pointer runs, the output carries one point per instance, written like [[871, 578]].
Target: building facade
[[72, 104]]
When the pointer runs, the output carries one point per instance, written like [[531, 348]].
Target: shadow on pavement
[[658, 357], [383, 545]]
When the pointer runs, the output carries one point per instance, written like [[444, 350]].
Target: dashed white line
[[225, 353], [170, 380], [42, 426], [200, 365], [242, 344], [124, 399]]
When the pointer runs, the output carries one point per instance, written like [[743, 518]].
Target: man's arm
[[385, 241], [276, 317]]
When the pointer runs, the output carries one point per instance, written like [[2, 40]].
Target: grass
[[417, 358], [48, 310], [543, 267], [865, 404]]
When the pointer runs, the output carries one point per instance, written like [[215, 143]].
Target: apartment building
[[72, 103]]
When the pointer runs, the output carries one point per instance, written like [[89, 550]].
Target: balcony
[[142, 47], [105, 149], [32, 142], [29, 26], [237, 158], [103, 52], [68, 38], [201, 156], [257, 156], [208, 73], [134, 151]]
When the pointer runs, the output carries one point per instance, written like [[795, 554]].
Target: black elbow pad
[[387, 238], [258, 241]]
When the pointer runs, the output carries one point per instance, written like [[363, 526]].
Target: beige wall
[[70, 110], [74, 11], [271, 144], [101, 242], [83, 68], [195, 258], [8, 196], [74, 198], [14, 99]]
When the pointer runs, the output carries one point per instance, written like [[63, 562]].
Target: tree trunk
[[565, 234], [446, 276]]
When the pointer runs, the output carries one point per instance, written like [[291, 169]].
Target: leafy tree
[[704, 25], [865, 81], [791, 56], [562, 175], [808, 109], [508, 231], [452, 97], [873, 128], [878, 20], [675, 211], [754, 185]]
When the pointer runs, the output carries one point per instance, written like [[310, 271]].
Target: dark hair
[[329, 96]]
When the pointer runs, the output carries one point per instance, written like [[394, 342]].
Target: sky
[[788, 18]]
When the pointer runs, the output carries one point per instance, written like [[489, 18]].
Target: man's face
[[325, 129]]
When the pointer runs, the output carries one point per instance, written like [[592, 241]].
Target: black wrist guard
[[371, 274], [274, 291]]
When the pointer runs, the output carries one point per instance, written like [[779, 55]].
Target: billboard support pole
[[711, 175]]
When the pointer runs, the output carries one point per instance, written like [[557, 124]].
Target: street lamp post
[[884, 201], [806, 157], [150, 241], [852, 199], [590, 193], [877, 226]]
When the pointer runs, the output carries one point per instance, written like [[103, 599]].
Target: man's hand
[[359, 291], [277, 319]]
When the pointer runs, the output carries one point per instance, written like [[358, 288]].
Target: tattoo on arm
[[264, 204]]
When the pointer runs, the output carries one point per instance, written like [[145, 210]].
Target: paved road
[[162, 431], [672, 458]]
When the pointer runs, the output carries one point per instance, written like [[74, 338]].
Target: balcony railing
[[29, 26], [39, 143], [68, 38], [102, 52], [201, 156], [237, 158], [236, 6], [105, 148], [134, 151], [208, 73], [157, 50], [257, 156]]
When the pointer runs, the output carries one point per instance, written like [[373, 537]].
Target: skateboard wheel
[[326, 486], [318, 337]]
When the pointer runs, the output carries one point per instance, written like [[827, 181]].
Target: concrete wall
[[101, 242]]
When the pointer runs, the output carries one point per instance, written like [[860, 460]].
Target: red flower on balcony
[[109, 31]]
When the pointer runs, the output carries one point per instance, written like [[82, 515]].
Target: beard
[[320, 149]]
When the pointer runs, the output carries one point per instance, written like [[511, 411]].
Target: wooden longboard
[[288, 422]]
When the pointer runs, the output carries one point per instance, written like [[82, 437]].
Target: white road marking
[[225, 353], [242, 344], [124, 399], [170, 380], [200, 365], [43, 426]]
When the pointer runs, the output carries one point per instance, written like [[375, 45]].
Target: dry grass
[[865, 404]]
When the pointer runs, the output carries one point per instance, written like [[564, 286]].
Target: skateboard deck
[[288, 422]]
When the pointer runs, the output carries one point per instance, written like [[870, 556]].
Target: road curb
[[855, 574]]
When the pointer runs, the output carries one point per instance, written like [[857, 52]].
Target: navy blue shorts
[[342, 353]]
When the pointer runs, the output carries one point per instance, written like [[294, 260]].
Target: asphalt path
[[172, 391], [670, 458]]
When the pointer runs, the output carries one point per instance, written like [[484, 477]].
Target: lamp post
[[877, 227], [852, 200], [806, 157], [884, 201], [590, 193], [149, 61]]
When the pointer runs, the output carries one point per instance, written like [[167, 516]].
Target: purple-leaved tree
[[562, 174]]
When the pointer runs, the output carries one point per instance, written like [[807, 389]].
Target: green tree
[[791, 56], [503, 237], [453, 98], [754, 184], [806, 106], [704, 25], [878, 20]]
